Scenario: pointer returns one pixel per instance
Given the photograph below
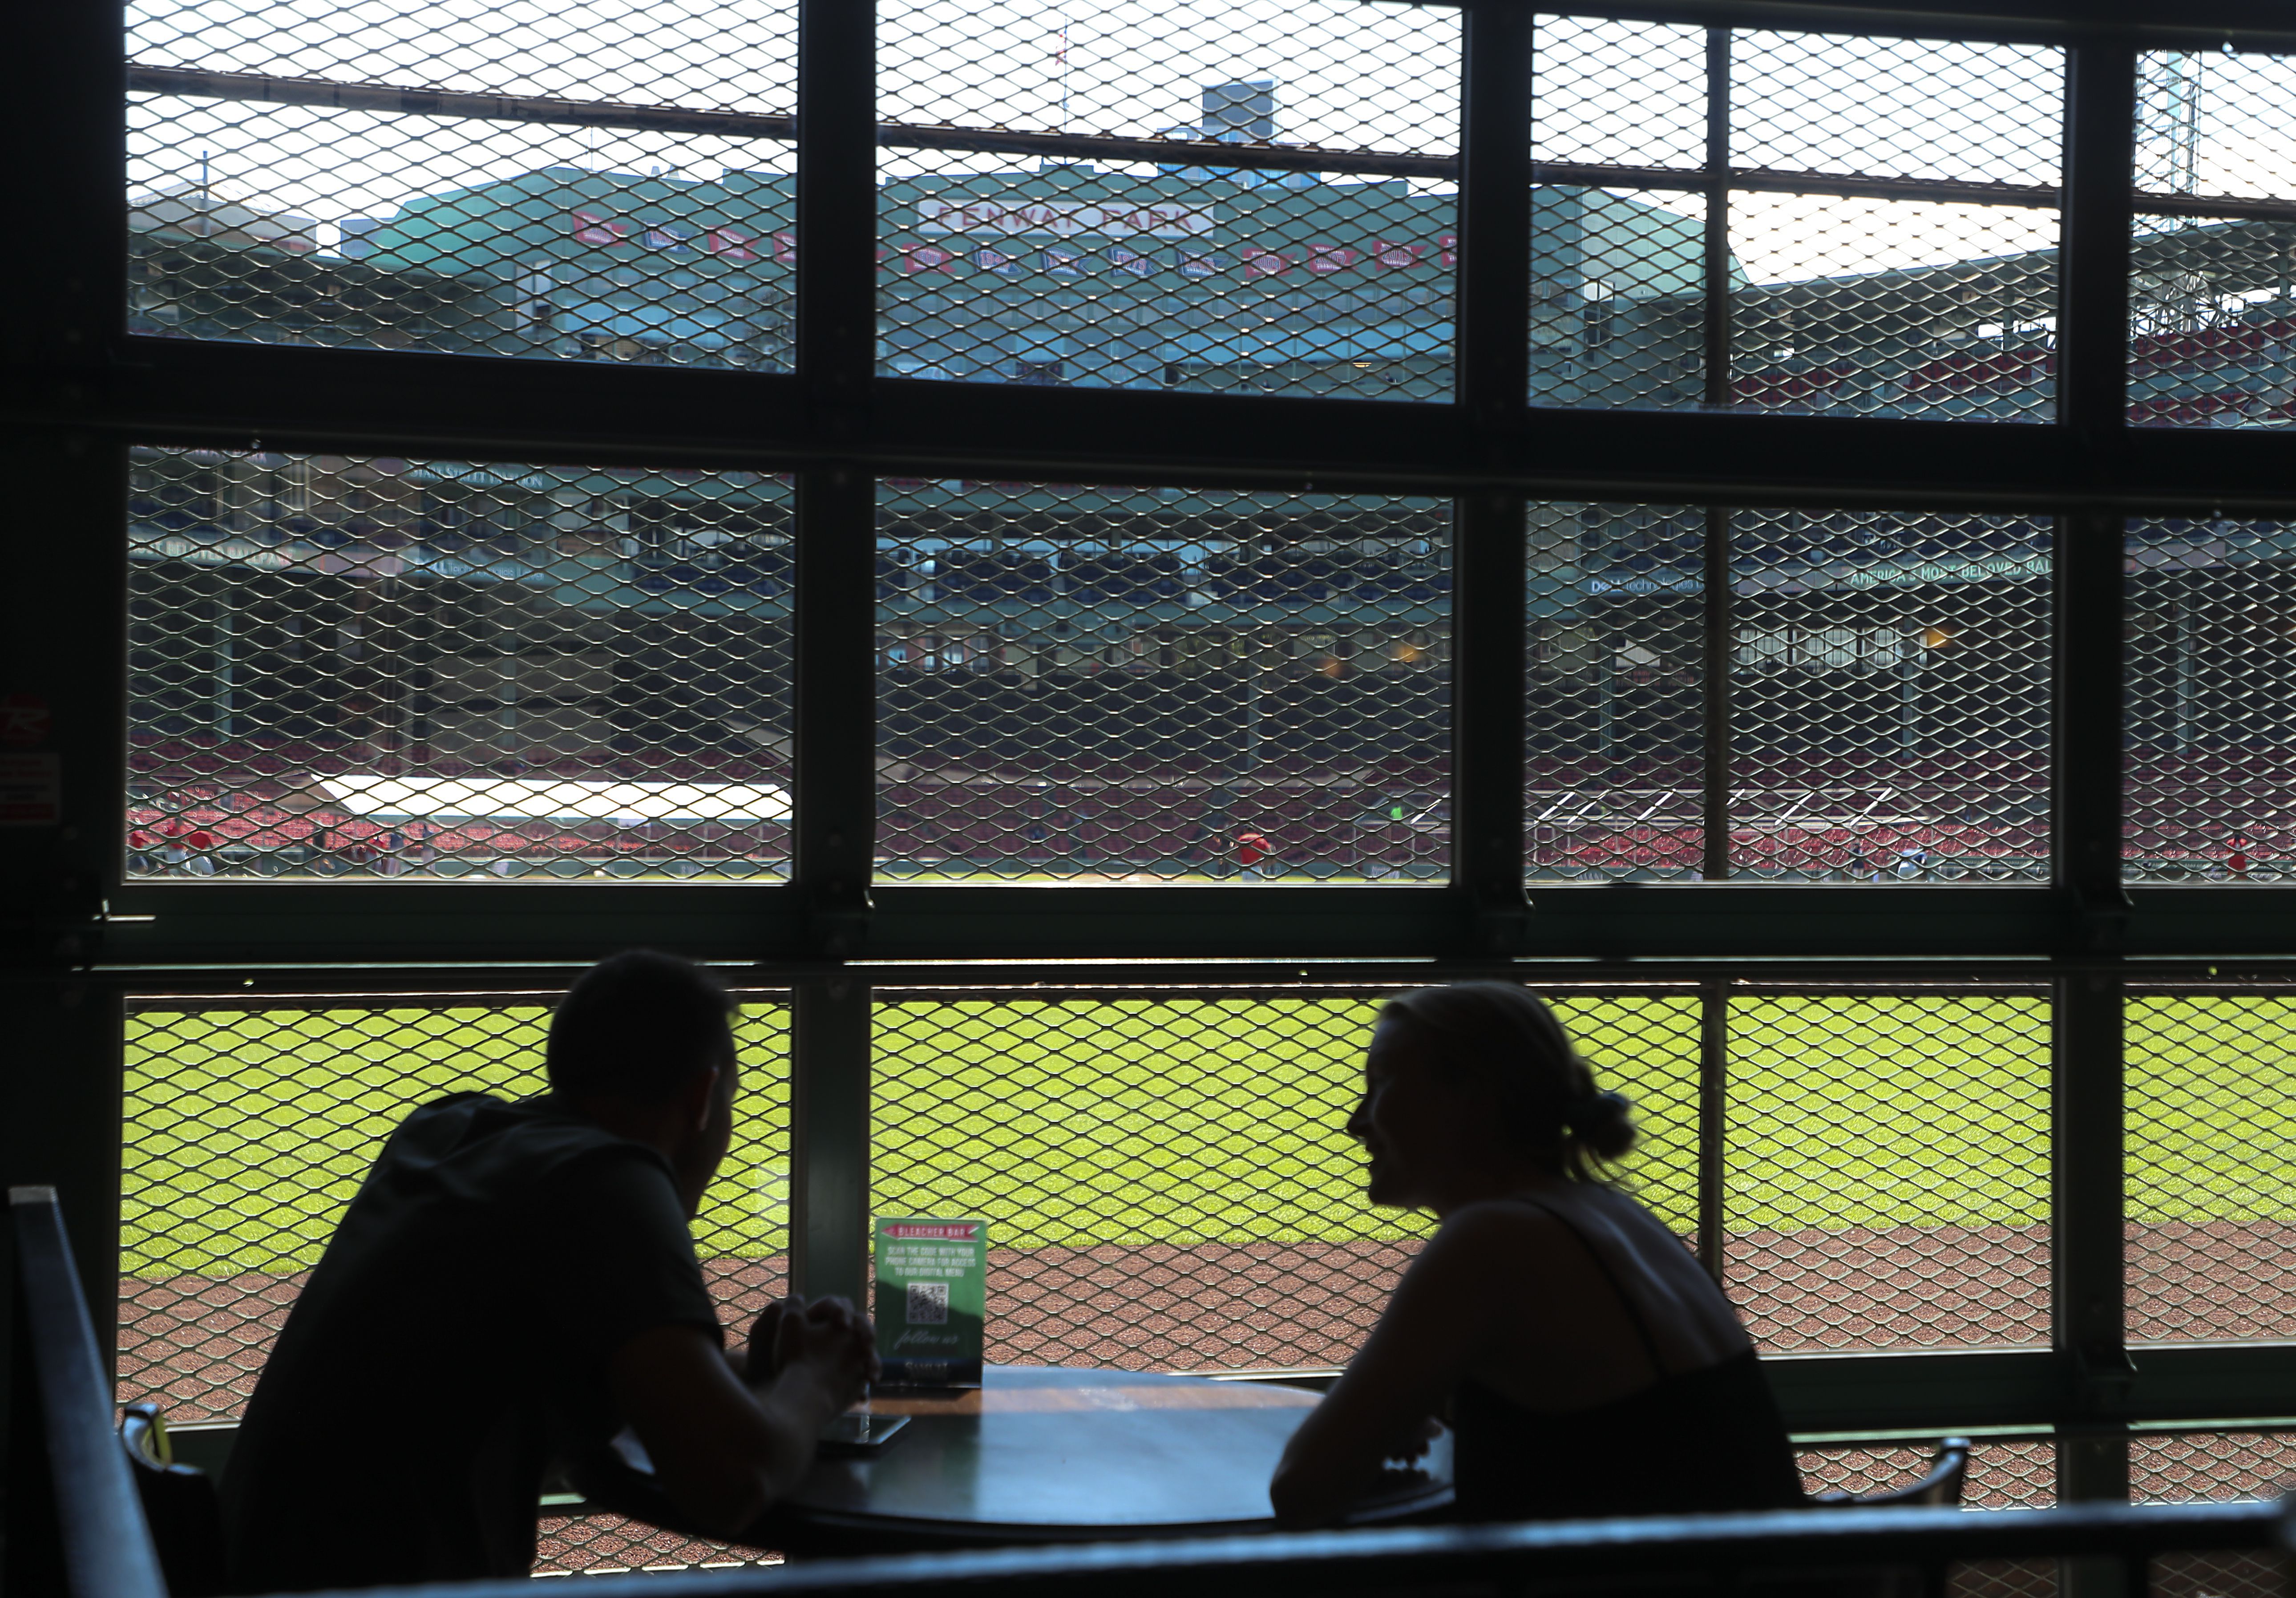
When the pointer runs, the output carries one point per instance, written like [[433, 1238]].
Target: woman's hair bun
[[1604, 1124]]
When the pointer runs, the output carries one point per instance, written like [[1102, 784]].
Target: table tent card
[[932, 1291]]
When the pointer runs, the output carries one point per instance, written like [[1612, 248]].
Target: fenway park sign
[[1063, 219]]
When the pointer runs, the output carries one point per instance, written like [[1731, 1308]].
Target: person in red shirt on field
[[2236, 862], [1256, 856]]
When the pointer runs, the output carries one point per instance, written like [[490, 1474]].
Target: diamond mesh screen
[[381, 667], [2212, 316], [1889, 696], [1865, 1211], [2184, 1467], [2214, 123], [1895, 303], [2212, 319], [1167, 1178], [1615, 738], [248, 1128], [1141, 684], [603, 1544], [604, 181], [2003, 1473], [1894, 307], [1890, 244], [1047, 263], [2210, 626], [2189, 1467], [2010, 1578], [2237, 1575], [2211, 1213]]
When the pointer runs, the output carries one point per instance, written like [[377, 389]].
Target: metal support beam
[[1492, 366], [834, 742], [1717, 219], [1717, 637], [1493, 361], [1486, 710], [2093, 325], [1713, 1123], [2086, 1229], [836, 210], [2087, 1242], [829, 1140], [835, 716]]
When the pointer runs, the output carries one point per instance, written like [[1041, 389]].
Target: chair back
[[178, 1502], [1941, 1485]]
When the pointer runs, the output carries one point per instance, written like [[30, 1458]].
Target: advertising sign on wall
[[1064, 218]]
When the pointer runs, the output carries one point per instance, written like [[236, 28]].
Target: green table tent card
[[932, 1291]]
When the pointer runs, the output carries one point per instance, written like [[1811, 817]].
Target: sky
[[1350, 73]]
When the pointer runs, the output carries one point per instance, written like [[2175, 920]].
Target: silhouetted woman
[[1587, 1365]]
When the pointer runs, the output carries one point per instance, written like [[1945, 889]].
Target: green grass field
[[1215, 1120]]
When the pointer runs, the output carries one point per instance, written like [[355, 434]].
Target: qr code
[[928, 1303]]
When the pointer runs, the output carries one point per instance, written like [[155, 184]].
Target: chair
[[179, 1504], [1943, 1483]]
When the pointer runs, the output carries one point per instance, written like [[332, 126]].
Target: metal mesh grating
[[1066, 265], [603, 1544], [2003, 1474], [2215, 123], [2185, 1467], [2219, 1575], [1166, 1177], [453, 181], [1865, 1211], [1617, 313], [681, 52], [1888, 711], [2211, 315], [1614, 93], [2210, 623], [248, 1128], [2210, 1212], [1910, 300], [1944, 108], [1144, 684], [379, 667], [1615, 746], [2006, 1577], [2212, 320], [1890, 242], [1889, 696], [1894, 307]]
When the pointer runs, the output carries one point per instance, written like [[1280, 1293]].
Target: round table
[[1050, 1453], [1044, 1454]]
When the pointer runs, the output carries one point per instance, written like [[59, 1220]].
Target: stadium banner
[[1065, 219], [932, 1292]]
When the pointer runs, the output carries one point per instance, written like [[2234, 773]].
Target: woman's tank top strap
[[1617, 1287]]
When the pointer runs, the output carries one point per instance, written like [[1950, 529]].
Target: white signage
[[1063, 219]]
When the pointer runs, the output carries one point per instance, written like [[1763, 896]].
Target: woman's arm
[[1439, 1318]]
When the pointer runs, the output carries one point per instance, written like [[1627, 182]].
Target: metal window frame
[[78, 389]]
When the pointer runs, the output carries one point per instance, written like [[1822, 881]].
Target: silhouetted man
[[514, 1282]]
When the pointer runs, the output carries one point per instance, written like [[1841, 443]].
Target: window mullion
[[1494, 377]]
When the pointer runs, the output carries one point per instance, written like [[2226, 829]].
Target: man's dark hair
[[638, 1025]]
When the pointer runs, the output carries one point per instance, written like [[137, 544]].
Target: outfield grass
[[1195, 1121]]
